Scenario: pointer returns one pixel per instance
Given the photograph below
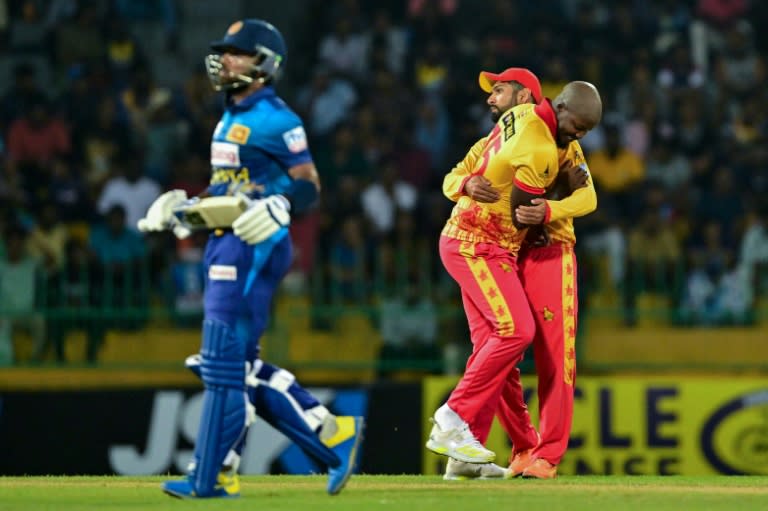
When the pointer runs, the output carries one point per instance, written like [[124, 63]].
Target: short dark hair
[[518, 87]]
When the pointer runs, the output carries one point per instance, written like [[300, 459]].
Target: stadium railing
[[394, 315]]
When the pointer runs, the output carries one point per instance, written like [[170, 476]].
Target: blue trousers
[[240, 280]]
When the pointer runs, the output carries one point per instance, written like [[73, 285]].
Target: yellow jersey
[[560, 213], [520, 151]]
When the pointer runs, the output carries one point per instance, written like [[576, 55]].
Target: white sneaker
[[458, 471], [459, 444]]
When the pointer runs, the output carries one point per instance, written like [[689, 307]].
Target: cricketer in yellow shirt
[[479, 245], [548, 274], [555, 331], [519, 152]]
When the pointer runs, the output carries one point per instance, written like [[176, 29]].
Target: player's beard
[[497, 112]]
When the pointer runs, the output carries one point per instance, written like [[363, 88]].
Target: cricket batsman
[[262, 174]]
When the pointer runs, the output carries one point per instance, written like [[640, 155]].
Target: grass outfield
[[399, 493]]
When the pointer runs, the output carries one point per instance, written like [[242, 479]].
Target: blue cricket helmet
[[253, 37]]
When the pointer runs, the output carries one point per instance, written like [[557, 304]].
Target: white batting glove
[[160, 215], [262, 219]]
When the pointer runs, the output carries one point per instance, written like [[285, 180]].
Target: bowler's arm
[[454, 181]]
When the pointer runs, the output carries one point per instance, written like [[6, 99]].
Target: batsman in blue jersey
[[262, 173]]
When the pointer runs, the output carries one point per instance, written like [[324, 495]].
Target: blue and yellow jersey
[[254, 144]]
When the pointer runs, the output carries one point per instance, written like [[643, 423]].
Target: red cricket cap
[[512, 74]]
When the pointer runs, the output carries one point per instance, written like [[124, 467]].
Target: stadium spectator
[[74, 297], [47, 239], [37, 139], [387, 43], [19, 295], [668, 166], [17, 99], [38, 146], [348, 263], [343, 51], [326, 102], [164, 11], [753, 250], [432, 131], [79, 40], [655, 257], [104, 142], [385, 196], [130, 189], [121, 253]]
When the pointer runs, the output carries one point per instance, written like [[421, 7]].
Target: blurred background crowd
[[105, 104]]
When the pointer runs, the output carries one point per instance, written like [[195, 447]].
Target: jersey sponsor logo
[[548, 314], [238, 133], [296, 139], [247, 188], [227, 175], [222, 272], [509, 126], [225, 155]]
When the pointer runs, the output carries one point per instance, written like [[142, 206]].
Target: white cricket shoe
[[459, 444], [458, 471]]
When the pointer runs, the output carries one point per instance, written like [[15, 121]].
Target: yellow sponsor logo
[[234, 176], [238, 134]]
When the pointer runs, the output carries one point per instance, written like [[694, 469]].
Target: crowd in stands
[[388, 91]]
